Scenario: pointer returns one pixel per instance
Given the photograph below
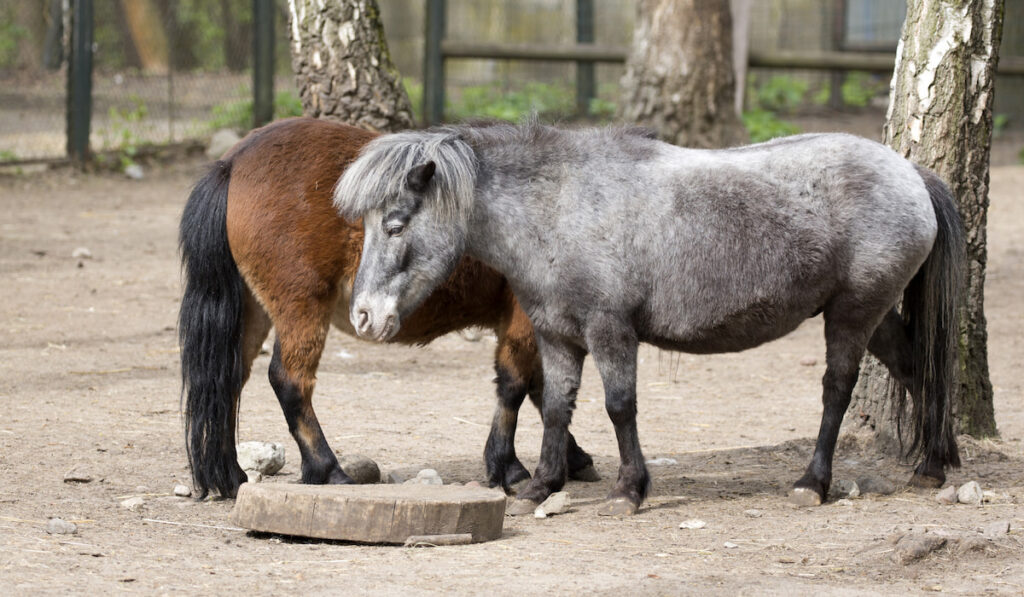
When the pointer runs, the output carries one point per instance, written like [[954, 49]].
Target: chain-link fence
[[164, 72], [170, 71]]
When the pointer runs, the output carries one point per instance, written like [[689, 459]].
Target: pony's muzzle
[[378, 322]]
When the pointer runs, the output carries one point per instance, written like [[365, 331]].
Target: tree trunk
[[679, 76], [147, 33], [342, 65], [940, 116]]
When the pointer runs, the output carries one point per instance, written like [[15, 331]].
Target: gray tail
[[210, 333], [931, 310]]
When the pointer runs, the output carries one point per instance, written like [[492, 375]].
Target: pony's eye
[[394, 229]]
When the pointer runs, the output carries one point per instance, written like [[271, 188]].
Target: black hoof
[[809, 491], [331, 476], [928, 477], [507, 476]]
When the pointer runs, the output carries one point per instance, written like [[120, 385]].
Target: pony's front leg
[[613, 345], [563, 364]]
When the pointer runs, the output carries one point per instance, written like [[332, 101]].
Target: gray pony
[[610, 238]]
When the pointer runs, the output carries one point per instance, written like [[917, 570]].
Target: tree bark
[[940, 116], [679, 76], [147, 33], [342, 65]]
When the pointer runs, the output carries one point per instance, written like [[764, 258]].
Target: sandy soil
[[89, 381]]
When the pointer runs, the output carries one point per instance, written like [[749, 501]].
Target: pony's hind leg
[[580, 464], [293, 376], [891, 345], [845, 342], [563, 365]]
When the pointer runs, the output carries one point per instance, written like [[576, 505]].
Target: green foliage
[[999, 124], [491, 101], [1020, 156], [414, 89], [10, 36], [779, 94], [763, 125], [822, 95], [121, 134], [237, 115], [602, 109], [859, 88]]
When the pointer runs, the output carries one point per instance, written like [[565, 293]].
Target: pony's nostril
[[364, 319]]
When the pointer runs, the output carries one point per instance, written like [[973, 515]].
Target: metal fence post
[[585, 83], [433, 62], [79, 109], [263, 62]]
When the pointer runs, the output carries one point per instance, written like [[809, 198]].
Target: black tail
[[210, 332], [931, 310]]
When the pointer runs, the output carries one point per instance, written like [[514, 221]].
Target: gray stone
[[265, 457], [752, 513], [875, 484], [662, 461], [730, 545], [57, 526], [221, 142], [969, 493], [693, 524], [556, 503], [253, 476], [133, 504], [994, 530], [473, 484], [81, 253], [844, 488], [808, 361], [134, 171], [362, 470], [947, 495], [182, 491], [396, 477], [914, 546], [76, 476], [844, 502], [991, 497], [427, 476]]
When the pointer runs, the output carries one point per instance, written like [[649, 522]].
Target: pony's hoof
[[804, 497], [520, 507], [618, 507], [587, 474], [925, 481]]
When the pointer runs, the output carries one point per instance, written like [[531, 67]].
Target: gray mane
[[377, 175]]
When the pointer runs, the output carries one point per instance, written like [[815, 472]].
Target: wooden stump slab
[[370, 513]]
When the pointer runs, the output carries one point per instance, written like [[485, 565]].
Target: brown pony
[[262, 246]]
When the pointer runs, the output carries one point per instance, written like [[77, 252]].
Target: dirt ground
[[89, 381]]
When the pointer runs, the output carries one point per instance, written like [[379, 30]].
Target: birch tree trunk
[[342, 65], [940, 116], [679, 77]]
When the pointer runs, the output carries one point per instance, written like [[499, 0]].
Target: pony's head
[[414, 192]]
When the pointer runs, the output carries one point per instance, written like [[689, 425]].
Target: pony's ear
[[420, 176]]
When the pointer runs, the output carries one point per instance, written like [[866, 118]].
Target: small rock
[[556, 503], [997, 529], [991, 497], [265, 457], [947, 495], [730, 545], [875, 484], [538, 513], [221, 141], [808, 361], [133, 171], [471, 334], [844, 488], [81, 253], [693, 523], [182, 491], [57, 526], [427, 476], [473, 484], [396, 477], [662, 461], [133, 504], [75, 476], [969, 493], [752, 513], [969, 544], [844, 502], [362, 470], [254, 476], [914, 546]]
